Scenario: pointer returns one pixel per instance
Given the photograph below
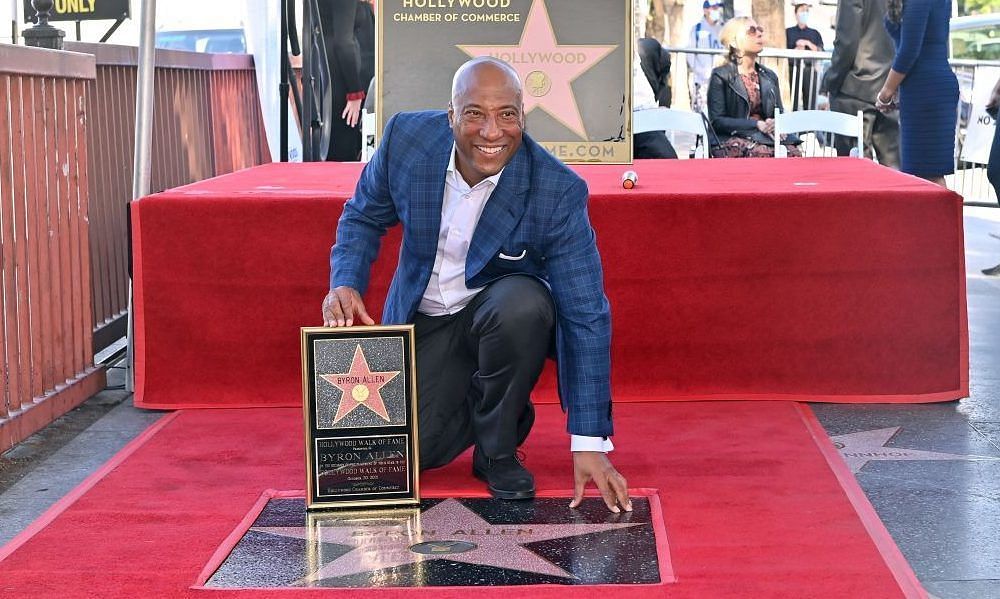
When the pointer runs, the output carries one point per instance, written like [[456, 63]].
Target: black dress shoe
[[507, 478], [992, 272]]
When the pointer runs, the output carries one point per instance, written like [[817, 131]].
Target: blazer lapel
[[502, 212], [428, 196]]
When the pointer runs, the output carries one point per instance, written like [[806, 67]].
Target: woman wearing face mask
[[742, 96], [704, 35], [802, 75]]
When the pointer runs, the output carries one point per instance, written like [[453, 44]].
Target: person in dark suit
[[926, 86], [364, 31], [345, 24], [802, 75], [498, 260], [862, 53]]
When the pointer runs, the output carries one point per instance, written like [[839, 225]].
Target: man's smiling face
[[486, 119]]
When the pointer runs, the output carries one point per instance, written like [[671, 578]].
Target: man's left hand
[[595, 465]]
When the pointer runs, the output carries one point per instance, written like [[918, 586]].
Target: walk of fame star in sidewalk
[[449, 542], [862, 447]]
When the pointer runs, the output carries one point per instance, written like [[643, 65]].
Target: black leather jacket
[[729, 104]]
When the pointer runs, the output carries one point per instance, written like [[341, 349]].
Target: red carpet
[[751, 507], [811, 279]]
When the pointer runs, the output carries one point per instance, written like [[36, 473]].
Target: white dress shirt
[[446, 292]]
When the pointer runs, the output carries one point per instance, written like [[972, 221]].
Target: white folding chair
[[367, 135], [803, 121], [669, 119]]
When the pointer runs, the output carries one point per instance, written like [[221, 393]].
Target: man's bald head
[[486, 117], [488, 67]]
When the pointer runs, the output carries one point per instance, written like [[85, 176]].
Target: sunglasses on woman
[[755, 29]]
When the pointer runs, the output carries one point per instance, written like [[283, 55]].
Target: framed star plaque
[[360, 403], [574, 58]]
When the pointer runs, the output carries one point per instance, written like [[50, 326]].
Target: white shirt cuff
[[582, 443]]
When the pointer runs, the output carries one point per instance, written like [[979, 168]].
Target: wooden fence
[[47, 365], [67, 121], [206, 122]]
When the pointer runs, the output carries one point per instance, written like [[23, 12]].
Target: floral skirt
[[740, 147]]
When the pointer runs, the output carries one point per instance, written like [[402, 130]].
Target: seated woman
[[742, 96]]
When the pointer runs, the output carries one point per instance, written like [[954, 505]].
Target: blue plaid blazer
[[538, 208]]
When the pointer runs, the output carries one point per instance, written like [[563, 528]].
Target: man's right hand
[[342, 305]]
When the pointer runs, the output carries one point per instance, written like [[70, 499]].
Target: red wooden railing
[[206, 122], [67, 123], [47, 364]]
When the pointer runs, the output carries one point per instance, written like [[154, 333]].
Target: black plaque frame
[[331, 481]]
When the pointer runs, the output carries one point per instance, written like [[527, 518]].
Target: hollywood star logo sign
[[574, 59]]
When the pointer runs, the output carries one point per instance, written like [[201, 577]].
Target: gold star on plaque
[[360, 387]]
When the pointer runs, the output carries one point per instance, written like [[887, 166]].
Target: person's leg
[[848, 105], [881, 131], [512, 328], [476, 370], [445, 368], [993, 166], [993, 174], [885, 138], [652, 144]]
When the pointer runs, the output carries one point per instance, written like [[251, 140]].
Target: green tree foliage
[[972, 7]]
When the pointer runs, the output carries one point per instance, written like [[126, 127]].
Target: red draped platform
[[805, 279]]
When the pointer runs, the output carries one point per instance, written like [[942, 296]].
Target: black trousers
[[993, 164], [652, 144], [476, 370], [341, 20], [881, 130]]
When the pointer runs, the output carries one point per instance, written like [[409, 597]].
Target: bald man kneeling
[[498, 270]]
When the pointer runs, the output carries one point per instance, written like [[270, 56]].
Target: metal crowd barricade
[[970, 178], [800, 87]]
